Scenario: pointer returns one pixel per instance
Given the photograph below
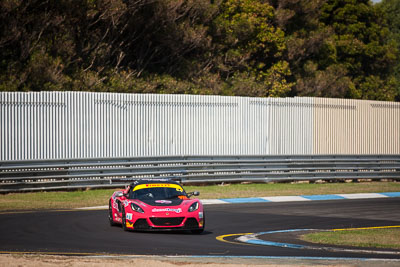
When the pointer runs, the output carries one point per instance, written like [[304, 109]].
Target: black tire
[[124, 220], [199, 231], [110, 215]]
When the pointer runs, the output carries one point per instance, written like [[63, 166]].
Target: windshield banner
[[143, 186]]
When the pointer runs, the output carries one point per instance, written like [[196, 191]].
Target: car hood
[[163, 202]]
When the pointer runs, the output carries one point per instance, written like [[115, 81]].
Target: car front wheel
[[199, 231]]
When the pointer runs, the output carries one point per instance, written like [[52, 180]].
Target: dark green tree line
[[327, 48]]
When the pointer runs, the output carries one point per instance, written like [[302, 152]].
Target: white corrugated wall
[[59, 125], [291, 126], [348, 126]]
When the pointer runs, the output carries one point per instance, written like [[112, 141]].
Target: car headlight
[[136, 208], [194, 206]]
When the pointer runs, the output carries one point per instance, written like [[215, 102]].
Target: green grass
[[66, 200], [55, 200], [287, 189], [371, 238]]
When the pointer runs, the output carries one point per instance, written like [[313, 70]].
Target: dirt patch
[[61, 261]]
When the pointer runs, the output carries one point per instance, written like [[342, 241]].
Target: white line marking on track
[[362, 195], [285, 198], [213, 201], [274, 199], [93, 208]]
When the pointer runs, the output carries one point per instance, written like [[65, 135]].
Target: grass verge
[[371, 238], [85, 198]]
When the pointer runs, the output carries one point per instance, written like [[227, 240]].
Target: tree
[[362, 47], [249, 49], [69, 45], [392, 9], [310, 49], [331, 48]]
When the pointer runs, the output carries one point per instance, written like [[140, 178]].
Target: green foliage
[[97, 197], [330, 82], [392, 9], [367, 237], [250, 48], [327, 48], [360, 38], [311, 50]]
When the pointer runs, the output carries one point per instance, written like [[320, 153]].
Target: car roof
[[153, 181]]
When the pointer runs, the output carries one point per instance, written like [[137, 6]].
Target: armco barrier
[[43, 175]]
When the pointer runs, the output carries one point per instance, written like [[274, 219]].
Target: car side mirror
[[119, 194], [195, 193]]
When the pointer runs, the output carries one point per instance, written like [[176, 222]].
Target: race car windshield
[[156, 193]]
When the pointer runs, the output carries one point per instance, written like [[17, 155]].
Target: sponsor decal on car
[[126, 203], [129, 216], [178, 210], [164, 201]]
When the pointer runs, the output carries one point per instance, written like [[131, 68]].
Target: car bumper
[[165, 223]]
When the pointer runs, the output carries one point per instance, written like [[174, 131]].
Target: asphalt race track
[[78, 232]]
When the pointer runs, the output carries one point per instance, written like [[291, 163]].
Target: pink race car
[[160, 204]]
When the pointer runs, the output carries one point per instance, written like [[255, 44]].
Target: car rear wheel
[[124, 220], [110, 215]]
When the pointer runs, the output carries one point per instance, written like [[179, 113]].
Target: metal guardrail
[[45, 175]]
